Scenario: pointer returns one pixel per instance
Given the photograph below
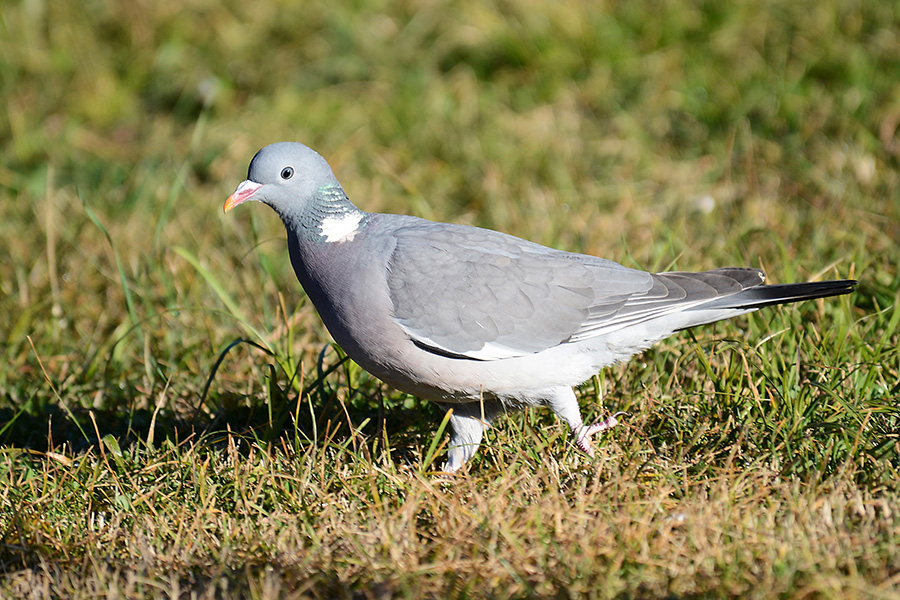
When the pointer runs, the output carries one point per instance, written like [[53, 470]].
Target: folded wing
[[478, 294]]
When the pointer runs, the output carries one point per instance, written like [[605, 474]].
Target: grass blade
[[129, 300], [220, 291]]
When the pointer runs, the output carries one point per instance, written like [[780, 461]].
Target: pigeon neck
[[330, 217]]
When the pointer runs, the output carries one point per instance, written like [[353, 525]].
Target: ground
[[148, 452]]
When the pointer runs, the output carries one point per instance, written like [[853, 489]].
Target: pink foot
[[584, 436]]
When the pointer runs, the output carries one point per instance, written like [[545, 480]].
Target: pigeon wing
[[473, 293]]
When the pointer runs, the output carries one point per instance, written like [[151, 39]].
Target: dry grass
[[761, 458], [324, 522]]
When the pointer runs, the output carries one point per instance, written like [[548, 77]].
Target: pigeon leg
[[584, 435], [563, 402], [468, 423]]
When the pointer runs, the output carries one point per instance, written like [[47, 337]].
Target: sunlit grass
[[145, 454]]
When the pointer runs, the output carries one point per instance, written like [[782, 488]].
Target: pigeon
[[475, 320]]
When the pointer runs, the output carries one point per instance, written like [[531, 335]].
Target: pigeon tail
[[768, 295]]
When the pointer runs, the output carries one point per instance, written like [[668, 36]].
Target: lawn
[[175, 421]]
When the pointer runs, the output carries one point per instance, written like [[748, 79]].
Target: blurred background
[[659, 134]]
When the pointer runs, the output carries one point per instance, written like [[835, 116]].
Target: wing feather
[[483, 295]]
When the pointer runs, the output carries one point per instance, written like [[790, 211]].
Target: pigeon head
[[298, 183], [286, 176]]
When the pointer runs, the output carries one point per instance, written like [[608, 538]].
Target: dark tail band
[[767, 295]]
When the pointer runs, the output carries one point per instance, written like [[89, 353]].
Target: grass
[[146, 454]]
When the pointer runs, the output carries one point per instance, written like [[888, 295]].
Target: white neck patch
[[342, 228]]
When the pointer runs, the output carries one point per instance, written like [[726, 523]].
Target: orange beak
[[243, 193]]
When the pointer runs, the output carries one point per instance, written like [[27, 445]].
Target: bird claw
[[583, 441]]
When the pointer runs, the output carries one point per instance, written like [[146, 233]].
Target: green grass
[[143, 454]]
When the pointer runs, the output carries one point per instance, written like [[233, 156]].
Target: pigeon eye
[[287, 172]]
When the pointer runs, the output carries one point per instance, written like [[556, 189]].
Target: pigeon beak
[[243, 193]]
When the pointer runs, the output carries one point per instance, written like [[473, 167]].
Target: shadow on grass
[[321, 413]]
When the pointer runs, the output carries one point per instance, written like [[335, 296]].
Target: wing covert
[[484, 295]]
